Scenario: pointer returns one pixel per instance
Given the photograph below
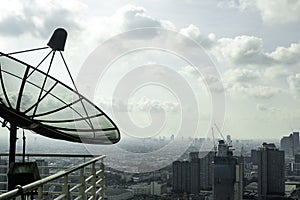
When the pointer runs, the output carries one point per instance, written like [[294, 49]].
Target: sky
[[253, 46]]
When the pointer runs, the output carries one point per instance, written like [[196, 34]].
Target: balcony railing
[[82, 181]]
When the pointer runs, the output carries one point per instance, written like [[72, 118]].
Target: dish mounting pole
[[12, 143]]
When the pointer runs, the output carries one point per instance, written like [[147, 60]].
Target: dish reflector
[[50, 108]]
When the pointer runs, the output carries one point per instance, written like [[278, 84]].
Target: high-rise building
[[176, 167], [296, 143], [254, 156], [181, 177], [297, 158], [228, 175], [206, 170], [43, 167], [193, 175], [157, 188], [270, 172], [3, 179], [295, 166], [195, 172], [290, 144]]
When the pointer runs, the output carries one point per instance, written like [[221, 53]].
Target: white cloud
[[146, 104], [241, 75], [132, 17], [236, 4], [40, 18], [276, 72], [294, 85], [287, 55], [265, 108], [242, 50], [194, 33], [142, 104], [271, 11], [279, 11], [255, 91], [189, 71]]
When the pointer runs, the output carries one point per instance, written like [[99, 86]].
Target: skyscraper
[[176, 167], [3, 179], [206, 170], [195, 172], [290, 144], [228, 175], [296, 142], [181, 177], [270, 172], [193, 175]]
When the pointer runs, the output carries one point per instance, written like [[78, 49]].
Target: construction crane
[[228, 143], [214, 142], [219, 132]]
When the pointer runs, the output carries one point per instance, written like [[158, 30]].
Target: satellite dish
[[32, 99]]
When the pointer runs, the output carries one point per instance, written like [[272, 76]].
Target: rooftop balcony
[[61, 177]]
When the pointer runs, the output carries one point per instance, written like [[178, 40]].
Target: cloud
[[254, 91], [241, 75], [194, 33], [133, 17], [245, 82], [264, 108], [189, 71], [211, 82], [279, 11], [294, 85], [236, 4], [276, 72], [275, 11], [142, 104], [40, 18], [146, 104], [242, 50], [287, 55], [244, 55], [124, 19]]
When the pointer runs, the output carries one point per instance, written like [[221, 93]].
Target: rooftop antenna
[[74, 119]]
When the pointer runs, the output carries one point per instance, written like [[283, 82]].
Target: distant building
[[142, 188], [195, 172], [254, 154], [206, 170], [271, 169], [118, 194], [181, 177], [295, 169], [290, 144], [154, 188], [194, 175], [3, 170], [228, 174], [297, 158], [172, 137], [296, 142], [43, 167], [295, 166], [157, 188]]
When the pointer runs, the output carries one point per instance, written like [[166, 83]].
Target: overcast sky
[[254, 44]]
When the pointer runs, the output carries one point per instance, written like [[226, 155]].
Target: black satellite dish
[[32, 99]]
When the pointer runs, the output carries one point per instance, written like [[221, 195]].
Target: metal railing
[[83, 181]]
